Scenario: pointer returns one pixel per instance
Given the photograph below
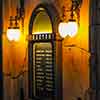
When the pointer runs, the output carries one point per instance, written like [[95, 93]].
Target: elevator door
[[43, 71]]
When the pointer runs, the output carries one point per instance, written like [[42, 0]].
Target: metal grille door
[[43, 71]]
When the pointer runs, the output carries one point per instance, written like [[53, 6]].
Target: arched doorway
[[44, 76]]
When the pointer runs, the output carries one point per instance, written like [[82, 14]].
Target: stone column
[[94, 49], [1, 79]]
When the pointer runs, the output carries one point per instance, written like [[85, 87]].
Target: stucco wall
[[75, 61]]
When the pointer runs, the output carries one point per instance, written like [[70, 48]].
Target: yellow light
[[13, 34], [41, 32], [63, 29], [72, 28]]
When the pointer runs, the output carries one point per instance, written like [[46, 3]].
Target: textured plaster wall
[[75, 61]]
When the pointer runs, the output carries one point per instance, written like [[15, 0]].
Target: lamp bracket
[[77, 4]]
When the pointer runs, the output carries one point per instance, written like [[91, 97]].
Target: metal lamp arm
[[83, 49]]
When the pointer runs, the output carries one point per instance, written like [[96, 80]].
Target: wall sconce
[[70, 28], [13, 32]]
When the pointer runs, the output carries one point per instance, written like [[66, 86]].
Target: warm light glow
[[68, 29], [42, 23], [63, 29], [13, 34], [72, 28], [40, 32]]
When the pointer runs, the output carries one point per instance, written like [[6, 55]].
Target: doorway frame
[[54, 17]]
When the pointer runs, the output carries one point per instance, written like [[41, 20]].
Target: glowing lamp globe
[[63, 29], [72, 28], [13, 34]]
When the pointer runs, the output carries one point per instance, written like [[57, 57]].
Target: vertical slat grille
[[44, 72]]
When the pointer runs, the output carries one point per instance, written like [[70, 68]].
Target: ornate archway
[[44, 67]]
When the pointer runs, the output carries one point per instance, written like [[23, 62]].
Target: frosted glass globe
[[13, 34], [72, 28], [63, 29]]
